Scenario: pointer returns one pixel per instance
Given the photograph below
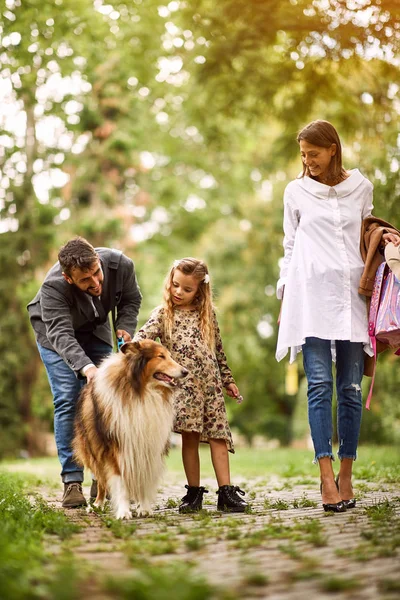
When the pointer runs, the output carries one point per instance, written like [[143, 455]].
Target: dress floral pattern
[[199, 402]]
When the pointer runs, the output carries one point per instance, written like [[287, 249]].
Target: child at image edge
[[186, 324]]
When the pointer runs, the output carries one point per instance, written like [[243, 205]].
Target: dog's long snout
[[185, 372]]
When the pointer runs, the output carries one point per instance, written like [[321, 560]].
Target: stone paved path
[[352, 555]]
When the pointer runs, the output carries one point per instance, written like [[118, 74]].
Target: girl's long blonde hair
[[197, 269]]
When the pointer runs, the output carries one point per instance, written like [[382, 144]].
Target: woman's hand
[[280, 312], [391, 237], [233, 391]]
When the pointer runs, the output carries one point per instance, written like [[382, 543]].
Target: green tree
[[42, 45], [169, 131]]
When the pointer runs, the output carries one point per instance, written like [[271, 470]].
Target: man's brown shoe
[[73, 496]]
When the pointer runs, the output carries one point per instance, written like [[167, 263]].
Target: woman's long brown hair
[[323, 134]]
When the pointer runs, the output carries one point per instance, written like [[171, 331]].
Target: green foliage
[[176, 130]]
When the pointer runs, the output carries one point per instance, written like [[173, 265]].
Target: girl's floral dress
[[198, 401]]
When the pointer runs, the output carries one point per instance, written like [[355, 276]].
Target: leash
[[113, 266]]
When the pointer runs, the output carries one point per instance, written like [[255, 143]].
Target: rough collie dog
[[123, 421]]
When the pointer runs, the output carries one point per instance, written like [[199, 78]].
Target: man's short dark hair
[[77, 253]]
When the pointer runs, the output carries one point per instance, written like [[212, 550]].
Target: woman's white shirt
[[322, 264]]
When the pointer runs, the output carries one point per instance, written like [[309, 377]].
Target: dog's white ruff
[[142, 428]]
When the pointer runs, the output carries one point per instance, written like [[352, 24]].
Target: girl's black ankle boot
[[193, 500], [229, 499]]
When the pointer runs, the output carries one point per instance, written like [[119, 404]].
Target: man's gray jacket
[[63, 317]]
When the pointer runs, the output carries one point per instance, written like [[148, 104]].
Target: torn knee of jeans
[[356, 386]]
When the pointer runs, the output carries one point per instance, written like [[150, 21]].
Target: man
[[70, 317]]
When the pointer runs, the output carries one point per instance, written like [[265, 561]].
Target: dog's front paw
[[123, 513], [143, 511]]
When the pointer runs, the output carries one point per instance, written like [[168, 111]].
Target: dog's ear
[[130, 347]]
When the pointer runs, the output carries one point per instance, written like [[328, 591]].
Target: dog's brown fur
[[123, 420]]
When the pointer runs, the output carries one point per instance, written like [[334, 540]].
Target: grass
[[381, 537], [309, 531], [29, 572], [276, 504], [340, 584], [389, 585], [280, 504], [194, 543], [166, 552], [256, 579], [304, 502], [374, 464], [175, 580], [120, 529], [158, 544], [24, 571], [381, 512]]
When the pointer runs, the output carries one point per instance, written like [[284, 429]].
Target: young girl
[[186, 324]]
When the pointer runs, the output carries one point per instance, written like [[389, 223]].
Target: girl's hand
[[391, 237], [233, 391]]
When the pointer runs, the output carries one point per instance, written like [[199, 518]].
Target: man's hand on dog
[[124, 334], [90, 373]]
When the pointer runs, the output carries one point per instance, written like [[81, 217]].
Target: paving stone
[[225, 565]]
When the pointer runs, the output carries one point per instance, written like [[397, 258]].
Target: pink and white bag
[[384, 314]]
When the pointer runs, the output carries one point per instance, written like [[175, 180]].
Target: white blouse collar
[[342, 189]]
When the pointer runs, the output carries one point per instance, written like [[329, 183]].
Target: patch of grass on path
[[30, 572], [165, 582], [381, 537], [23, 561], [164, 556]]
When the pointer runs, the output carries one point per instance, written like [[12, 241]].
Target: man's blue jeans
[[65, 388], [317, 360]]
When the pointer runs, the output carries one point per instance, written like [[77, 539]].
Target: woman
[[322, 313]]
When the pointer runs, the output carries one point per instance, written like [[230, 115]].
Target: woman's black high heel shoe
[[348, 503], [338, 507]]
